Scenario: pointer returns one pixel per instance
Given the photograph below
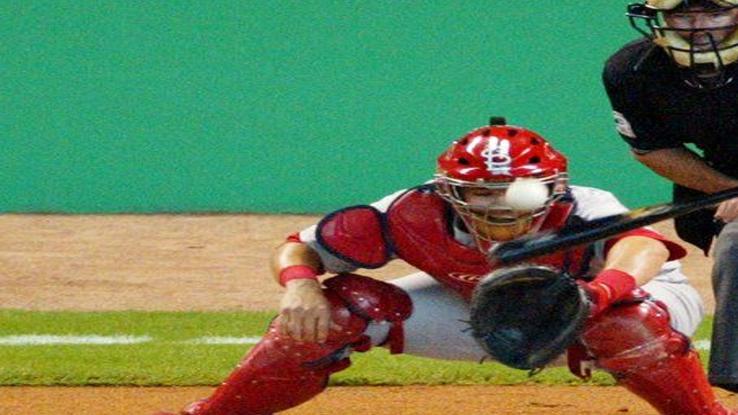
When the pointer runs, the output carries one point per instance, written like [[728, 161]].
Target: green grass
[[169, 360]]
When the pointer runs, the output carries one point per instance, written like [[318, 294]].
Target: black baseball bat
[[543, 243]]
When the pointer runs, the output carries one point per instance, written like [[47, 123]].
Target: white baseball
[[526, 194]]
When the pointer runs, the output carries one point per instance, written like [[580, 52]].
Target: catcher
[[444, 228]]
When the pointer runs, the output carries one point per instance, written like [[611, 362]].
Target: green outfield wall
[[290, 106]]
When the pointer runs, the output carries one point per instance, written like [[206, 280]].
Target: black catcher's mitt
[[526, 316]]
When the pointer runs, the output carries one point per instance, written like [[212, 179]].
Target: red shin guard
[[635, 343], [280, 373]]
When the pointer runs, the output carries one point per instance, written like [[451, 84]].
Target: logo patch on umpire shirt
[[622, 125]]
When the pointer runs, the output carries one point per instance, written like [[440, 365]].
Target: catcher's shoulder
[[592, 202], [584, 192]]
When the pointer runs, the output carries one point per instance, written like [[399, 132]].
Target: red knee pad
[[633, 335], [376, 301]]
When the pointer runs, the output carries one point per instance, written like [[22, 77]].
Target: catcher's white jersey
[[591, 203], [437, 327]]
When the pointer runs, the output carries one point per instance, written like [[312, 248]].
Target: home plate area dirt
[[406, 400], [220, 262]]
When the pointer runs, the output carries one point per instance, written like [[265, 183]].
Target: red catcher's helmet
[[486, 161]]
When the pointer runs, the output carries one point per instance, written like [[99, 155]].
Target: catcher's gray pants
[[723, 370], [437, 327]]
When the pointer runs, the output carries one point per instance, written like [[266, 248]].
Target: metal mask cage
[[708, 75], [497, 215]]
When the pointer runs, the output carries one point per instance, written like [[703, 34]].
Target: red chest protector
[[419, 225], [417, 229]]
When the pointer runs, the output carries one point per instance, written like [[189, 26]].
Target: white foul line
[[46, 339], [701, 344]]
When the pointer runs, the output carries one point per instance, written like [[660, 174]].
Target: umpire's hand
[[727, 211], [305, 313]]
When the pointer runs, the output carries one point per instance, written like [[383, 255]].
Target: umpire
[[679, 86]]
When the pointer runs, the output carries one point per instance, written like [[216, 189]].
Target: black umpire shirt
[[655, 108]]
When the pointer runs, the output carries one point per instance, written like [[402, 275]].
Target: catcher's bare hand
[[305, 313]]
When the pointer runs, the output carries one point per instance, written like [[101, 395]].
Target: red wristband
[[618, 282], [297, 272]]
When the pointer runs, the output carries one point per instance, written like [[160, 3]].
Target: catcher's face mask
[[476, 170], [487, 215]]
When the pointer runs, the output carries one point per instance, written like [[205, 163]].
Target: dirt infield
[[166, 262], [220, 262], [407, 400]]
